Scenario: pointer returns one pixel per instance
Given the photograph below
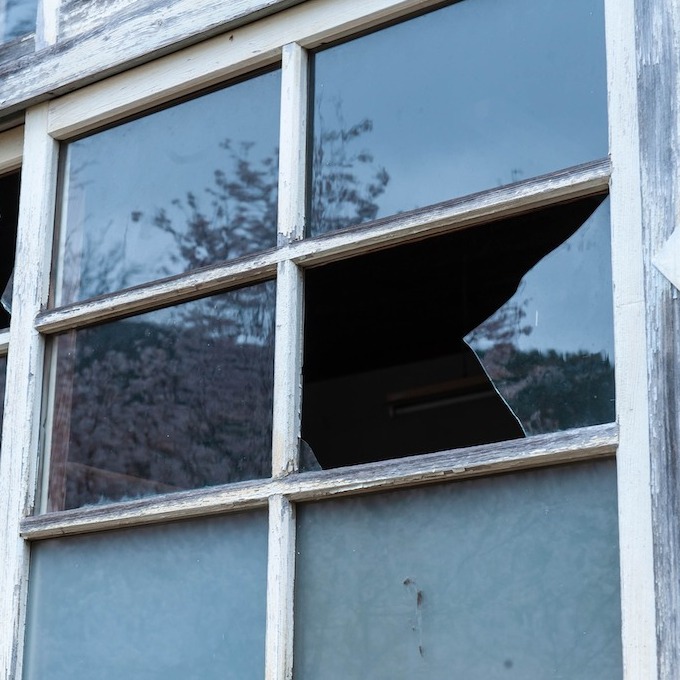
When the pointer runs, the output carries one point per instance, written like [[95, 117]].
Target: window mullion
[[24, 370]]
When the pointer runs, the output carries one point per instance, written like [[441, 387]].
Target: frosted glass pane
[[475, 95], [179, 601], [512, 576], [186, 187]]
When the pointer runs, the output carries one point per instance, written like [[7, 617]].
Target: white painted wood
[[253, 46], [457, 214], [667, 259], [11, 149], [4, 342], [24, 371], [293, 143], [551, 449], [633, 455], [47, 23], [280, 590], [287, 370]]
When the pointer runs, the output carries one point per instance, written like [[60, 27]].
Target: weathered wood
[[457, 214], [11, 149], [280, 590], [632, 458], [562, 447], [658, 62], [47, 24], [24, 380]]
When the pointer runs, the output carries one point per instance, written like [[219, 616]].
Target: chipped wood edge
[[11, 149], [460, 213], [633, 455], [280, 590], [24, 370], [562, 447]]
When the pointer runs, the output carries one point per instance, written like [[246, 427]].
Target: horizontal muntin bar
[[461, 213], [549, 449]]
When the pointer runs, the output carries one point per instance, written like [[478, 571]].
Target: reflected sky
[[473, 96], [187, 186], [19, 19]]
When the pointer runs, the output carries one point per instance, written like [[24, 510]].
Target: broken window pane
[[9, 215], [472, 96], [185, 187], [18, 18], [174, 399], [176, 601], [525, 583], [531, 295]]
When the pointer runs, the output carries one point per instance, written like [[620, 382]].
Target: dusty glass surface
[[183, 601], [512, 576], [473, 96], [174, 399], [18, 19], [188, 186]]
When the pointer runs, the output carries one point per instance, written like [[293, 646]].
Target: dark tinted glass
[[19, 18], [481, 335], [192, 185], [179, 601], [514, 576], [175, 399], [470, 97], [9, 214]]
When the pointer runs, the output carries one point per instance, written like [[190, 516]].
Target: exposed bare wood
[[458, 214], [253, 46], [562, 447], [658, 79], [280, 583], [11, 149], [24, 380], [632, 458]]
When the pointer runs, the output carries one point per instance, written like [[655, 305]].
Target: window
[[17, 18], [287, 352]]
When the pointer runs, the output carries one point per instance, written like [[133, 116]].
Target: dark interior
[[386, 371], [9, 212]]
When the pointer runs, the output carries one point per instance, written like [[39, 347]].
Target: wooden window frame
[[285, 38]]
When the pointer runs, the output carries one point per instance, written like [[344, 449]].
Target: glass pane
[[549, 350], [470, 97], [513, 576], [188, 186], [174, 399], [19, 19], [9, 214], [480, 335], [179, 601]]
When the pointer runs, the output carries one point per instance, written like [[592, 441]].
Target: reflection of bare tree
[[182, 398]]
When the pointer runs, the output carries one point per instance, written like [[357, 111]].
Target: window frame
[[286, 37]]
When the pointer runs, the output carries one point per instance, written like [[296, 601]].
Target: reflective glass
[[185, 187], [174, 399], [183, 601], [511, 576], [9, 215], [19, 18], [473, 96]]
